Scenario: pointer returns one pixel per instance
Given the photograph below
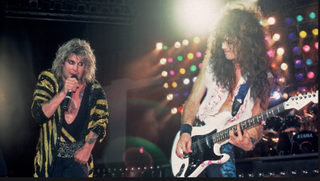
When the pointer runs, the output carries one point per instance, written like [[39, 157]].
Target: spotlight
[[163, 61], [267, 39], [170, 97], [276, 95], [315, 31], [292, 36], [179, 58], [185, 42], [186, 81], [280, 51], [299, 18], [165, 47], [165, 85], [281, 80], [159, 46], [298, 63], [296, 50], [198, 54], [289, 21], [285, 96], [194, 79], [174, 84], [284, 66], [276, 37], [193, 68], [270, 53], [271, 21], [174, 110], [303, 34], [186, 94], [190, 56], [180, 109], [171, 72], [164, 73], [309, 62], [170, 60], [306, 48], [182, 71], [299, 76], [316, 45], [310, 75], [200, 65], [196, 40], [176, 95], [312, 15], [177, 44]]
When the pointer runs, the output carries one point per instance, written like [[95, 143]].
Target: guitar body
[[204, 153]]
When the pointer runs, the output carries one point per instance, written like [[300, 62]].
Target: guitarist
[[237, 56]]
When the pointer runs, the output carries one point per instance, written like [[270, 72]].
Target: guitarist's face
[[229, 49]]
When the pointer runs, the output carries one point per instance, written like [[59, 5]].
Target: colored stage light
[[185, 42], [270, 53], [306, 48], [260, 22], [182, 71], [179, 58], [299, 18], [165, 47], [276, 37], [284, 66], [267, 39], [177, 44], [299, 77], [193, 68], [180, 109], [198, 54], [274, 65], [289, 21], [315, 31], [303, 34], [176, 95], [316, 45], [174, 110], [163, 61], [292, 36], [309, 62], [280, 51], [169, 97], [271, 21], [170, 60], [164, 73], [171, 72], [186, 94], [296, 50], [276, 95], [281, 80], [298, 63], [186, 81], [190, 56], [196, 40], [174, 84], [312, 15], [310, 75], [200, 65], [165, 85], [159, 46]]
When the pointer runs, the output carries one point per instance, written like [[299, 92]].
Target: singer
[[72, 110]]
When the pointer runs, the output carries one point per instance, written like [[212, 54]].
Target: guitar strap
[[238, 100]]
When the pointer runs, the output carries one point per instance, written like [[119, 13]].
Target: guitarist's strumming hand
[[184, 145], [240, 140]]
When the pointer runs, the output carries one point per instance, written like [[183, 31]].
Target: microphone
[[66, 101]]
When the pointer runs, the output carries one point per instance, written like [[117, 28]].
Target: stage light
[[163, 61], [190, 56], [299, 76], [284, 66], [267, 39], [276, 95], [276, 37], [169, 97], [185, 42], [271, 21], [171, 72], [306, 48], [164, 73], [193, 68], [170, 60], [186, 81], [299, 18], [312, 15], [310, 75], [196, 40], [194, 79], [303, 34], [315, 31], [176, 95], [179, 58], [198, 54], [200, 64], [182, 71], [285, 96], [186, 94], [281, 80], [292, 36], [270, 53], [273, 65], [298, 63], [280, 51], [174, 110], [159, 46], [316, 45], [296, 50], [309, 62], [177, 44], [180, 109], [289, 21], [174, 84], [260, 22], [166, 85], [165, 47]]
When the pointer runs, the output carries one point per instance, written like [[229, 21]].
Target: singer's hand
[[70, 84]]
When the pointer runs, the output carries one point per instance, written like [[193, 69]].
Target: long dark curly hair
[[242, 25]]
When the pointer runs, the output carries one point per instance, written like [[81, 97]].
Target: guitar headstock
[[300, 100]]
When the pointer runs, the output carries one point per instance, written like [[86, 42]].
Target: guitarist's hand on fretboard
[[241, 139]]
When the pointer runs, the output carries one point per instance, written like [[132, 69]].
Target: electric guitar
[[207, 139]]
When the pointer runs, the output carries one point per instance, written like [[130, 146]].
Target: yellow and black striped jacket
[[50, 128]]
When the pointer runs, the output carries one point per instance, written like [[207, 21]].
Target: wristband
[[253, 142], [186, 128]]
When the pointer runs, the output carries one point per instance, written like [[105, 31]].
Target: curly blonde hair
[[79, 48]]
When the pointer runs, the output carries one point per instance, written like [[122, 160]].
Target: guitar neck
[[224, 134]]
